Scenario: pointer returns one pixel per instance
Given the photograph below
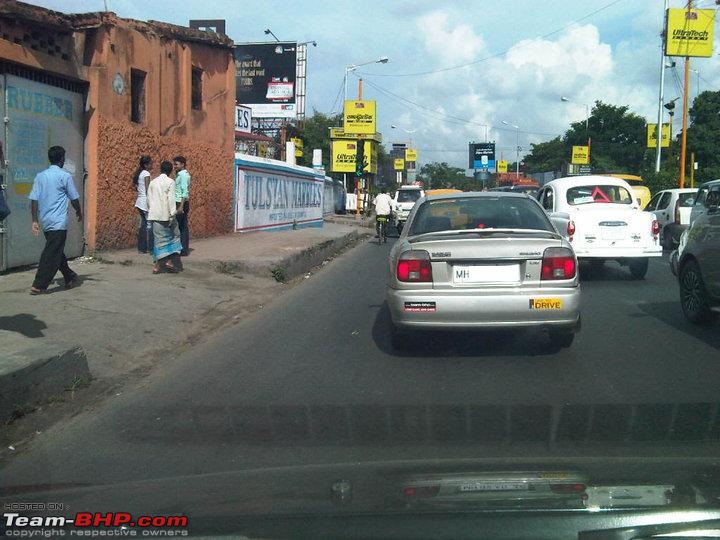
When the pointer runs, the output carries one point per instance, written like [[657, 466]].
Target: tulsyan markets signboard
[[689, 32], [272, 195]]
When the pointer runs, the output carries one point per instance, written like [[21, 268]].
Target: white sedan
[[602, 220]]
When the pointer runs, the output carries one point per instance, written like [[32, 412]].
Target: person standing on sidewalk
[[182, 198], [141, 180], [162, 210], [51, 191]]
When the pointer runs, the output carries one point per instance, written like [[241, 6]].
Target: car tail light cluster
[[414, 266], [421, 491], [570, 229], [558, 263], [655, 227], [677, 212], [568, 488]]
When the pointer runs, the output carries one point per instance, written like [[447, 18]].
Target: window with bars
[[196, 94], [137, 96]]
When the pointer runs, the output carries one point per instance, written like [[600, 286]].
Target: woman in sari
[[161, 213]]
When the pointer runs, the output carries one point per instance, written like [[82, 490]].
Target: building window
[[137, 96], [197, 88]]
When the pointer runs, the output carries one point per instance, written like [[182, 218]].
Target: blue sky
[[534, 52]]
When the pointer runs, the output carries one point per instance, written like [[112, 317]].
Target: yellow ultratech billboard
[[410, 154], [502, 166], [689, 32], [298, 146], [344, 153], [652, 135], [359, 117], [399, 164], [580, 155]]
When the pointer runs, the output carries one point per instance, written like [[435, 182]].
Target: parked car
[[519, 188], [482, 260], [700, 207], [601, 218], [641, 191], [672, 208], [696, 262], [404, 200]]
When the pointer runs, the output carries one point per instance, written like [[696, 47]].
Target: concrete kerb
[[36, 374]]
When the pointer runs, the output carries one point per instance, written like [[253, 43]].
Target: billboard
[[482, 156], [411, 154], [265, 78], [243, 118], [399, 164], [344, 155], [580, 155], [502, 166], [652, 135], [689, 32], [359, 117]]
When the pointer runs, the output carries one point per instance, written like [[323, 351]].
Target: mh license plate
[[495, 273], [493, 486], [545, 303]]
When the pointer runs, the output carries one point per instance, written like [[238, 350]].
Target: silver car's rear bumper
[[467, 309]]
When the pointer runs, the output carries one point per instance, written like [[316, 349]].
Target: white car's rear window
[[408, 195], [598, 193]]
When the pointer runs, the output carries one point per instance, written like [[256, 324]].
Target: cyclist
[[383, 208]]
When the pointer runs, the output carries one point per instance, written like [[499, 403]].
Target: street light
[[587, 112], [270, 32], [517, 148], [353, 67]]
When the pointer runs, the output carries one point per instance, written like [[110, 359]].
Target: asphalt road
[[312, 379]]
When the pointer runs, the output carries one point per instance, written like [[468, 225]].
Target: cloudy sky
[[458, 66]]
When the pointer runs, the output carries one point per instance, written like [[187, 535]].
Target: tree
[[315, 133], [703, 136], [618, 138], [547, 156], [441, 175]]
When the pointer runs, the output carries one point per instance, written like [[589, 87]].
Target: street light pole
[[353, 67], [517, 148], [661, 98]]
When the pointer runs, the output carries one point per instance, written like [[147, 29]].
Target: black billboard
[[482, 156], [265, 78]]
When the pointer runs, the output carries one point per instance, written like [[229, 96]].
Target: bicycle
[[382, 229]]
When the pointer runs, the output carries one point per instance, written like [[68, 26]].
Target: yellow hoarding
[[580, 155], [652, 135], [339, 133], [502, 166], [689, 32], [399, 164], [298, 146], [359, 117], [411, 154], [344, 154]]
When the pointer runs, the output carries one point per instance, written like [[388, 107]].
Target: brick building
[[109, 90]]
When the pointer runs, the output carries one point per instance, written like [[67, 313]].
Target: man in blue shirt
[[52, 189], [182, 198]]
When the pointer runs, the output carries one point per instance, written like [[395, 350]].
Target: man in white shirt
[[161, 213], [383, 207]]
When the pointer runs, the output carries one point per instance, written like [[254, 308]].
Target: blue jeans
[[145, 234]]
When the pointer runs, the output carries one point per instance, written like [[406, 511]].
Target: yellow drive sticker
[[545, 303]]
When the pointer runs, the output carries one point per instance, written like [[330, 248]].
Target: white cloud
[[450, 44]]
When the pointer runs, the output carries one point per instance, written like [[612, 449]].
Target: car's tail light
[[567, 488], [558, 263], [414, 266], [570, 229], [677, 212], [655, 227]]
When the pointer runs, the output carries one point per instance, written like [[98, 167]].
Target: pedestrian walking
[[141, 180], [182, 198], [162, 209], [51, 191]]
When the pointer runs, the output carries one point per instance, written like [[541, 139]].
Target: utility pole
[[661, 97], [683, 144]]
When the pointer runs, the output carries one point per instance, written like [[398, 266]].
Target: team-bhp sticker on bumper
[[420, 306]]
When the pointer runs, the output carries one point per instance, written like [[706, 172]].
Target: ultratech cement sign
[[689, 32]]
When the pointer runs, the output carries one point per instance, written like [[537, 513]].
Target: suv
[[405, 198], [672, 209], [696, 262]]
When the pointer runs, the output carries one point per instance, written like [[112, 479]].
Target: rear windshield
[[480, 213], [598, 193], [687, 199], [408, 195]]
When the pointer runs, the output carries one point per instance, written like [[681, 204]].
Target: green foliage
[[546, 156], [704, 134], [437, 175], [657, 181], [315, 133]]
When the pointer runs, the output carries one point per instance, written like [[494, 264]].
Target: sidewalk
[[123, 320]]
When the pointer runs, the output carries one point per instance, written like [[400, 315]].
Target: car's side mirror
[[713, 202]]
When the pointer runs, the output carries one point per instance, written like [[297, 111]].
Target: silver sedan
[[483, 260]]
